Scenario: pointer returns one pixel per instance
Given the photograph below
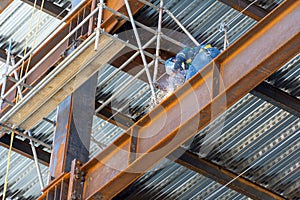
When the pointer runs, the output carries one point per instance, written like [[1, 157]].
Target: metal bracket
[[77, 179]]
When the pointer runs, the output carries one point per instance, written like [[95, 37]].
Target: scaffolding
[[99, 47]]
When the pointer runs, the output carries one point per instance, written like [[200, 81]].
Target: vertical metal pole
[[38, 169], [140, 49], [16, 76], [100, 6], [182, 27], [225, 39], [158, 40], [4, 75]]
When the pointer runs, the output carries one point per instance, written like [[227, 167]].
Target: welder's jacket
[[195, 58]]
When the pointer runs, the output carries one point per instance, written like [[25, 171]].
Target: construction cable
[[227, 25], [8, 164], [18, 96], [35, 35], [27, 37]]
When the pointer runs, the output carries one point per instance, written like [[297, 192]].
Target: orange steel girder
[[245, 64], [4, 4]]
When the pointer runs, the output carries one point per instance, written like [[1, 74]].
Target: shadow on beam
[[114, 117]]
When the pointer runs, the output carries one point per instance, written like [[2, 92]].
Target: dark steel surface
[[24, 148], [73, 128], [256, 12], [222, 175], [278, 98], [49, 8]]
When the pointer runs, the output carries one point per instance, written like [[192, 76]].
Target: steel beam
[[114, 117], [24, 148], [278, 98], [253, 11], [244, 65], [222, 176], [49, 8], [4, 4]]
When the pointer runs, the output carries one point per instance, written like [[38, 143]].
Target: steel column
[[245, 64], [73, 128]]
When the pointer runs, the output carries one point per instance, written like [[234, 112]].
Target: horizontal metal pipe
[[146, 27]]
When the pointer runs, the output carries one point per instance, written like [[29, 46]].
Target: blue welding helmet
[[169, 65]]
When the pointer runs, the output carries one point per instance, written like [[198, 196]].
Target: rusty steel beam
[[244, 65], [254, 11], [278, 98], [4, 4], [222, 175], [49, 8], [24, 148]]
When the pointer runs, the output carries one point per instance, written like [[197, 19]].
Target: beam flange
[[222, 176], [254, 11], [245, 64], [278, 98]]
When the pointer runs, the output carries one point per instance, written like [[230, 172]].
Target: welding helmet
[[169, 65]]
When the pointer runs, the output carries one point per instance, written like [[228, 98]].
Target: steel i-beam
[[244, 65], [221, 175]]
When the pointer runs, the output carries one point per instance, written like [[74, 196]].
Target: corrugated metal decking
[[245, 118]]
